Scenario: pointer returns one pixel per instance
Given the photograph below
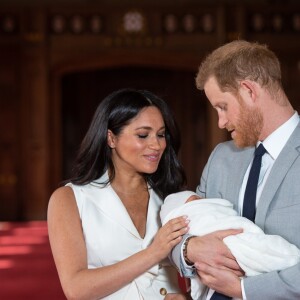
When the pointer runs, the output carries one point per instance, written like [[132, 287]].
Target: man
[[242, 81]]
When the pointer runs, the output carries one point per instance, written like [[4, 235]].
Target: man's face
[[243, 121]]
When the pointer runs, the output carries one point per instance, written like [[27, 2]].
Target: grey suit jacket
[[278, 211]]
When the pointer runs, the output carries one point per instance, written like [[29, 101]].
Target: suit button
[[163, 291]]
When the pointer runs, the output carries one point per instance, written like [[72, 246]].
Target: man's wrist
[[184, 251]]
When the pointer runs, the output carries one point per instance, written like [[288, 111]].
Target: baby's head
[[192, 198], [176, 200]]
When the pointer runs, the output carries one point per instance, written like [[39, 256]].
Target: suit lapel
[[238, 170], [111, 205], [281, 166], [114, 209], [153, 219], [108, 202]]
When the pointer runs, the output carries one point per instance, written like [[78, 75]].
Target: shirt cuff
[[243, 290]]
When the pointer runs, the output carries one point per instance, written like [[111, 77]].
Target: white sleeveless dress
[[111, 236]]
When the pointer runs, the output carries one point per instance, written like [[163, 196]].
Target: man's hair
[[240, 60]]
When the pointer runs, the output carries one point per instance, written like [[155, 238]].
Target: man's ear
[[110, 139], [249, 90]]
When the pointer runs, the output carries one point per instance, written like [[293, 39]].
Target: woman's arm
[[70, 255]]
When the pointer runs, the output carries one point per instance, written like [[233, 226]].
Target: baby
[[254, 251]]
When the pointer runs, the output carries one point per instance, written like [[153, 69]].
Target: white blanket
[[254, 251]]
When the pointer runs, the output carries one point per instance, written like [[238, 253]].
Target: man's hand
[[223, 281], [216, 266], [210, 249]]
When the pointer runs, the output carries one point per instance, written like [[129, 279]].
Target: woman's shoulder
[[62, 197], [62, 202], [63, 191]]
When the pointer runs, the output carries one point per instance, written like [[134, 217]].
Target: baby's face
[[192, 198]]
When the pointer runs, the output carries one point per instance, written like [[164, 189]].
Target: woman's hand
[[168, 236]]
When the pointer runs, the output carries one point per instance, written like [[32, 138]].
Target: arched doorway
[[81, 91]]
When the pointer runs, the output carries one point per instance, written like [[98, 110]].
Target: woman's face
[[141, 143]]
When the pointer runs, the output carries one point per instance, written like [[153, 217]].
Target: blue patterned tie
[[249, 206]]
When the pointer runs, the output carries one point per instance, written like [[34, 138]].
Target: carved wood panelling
[[40, 45]]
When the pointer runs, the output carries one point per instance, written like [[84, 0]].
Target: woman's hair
[[113, 113], [240, 60]]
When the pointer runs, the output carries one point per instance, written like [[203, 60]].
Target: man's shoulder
[[229, 147]]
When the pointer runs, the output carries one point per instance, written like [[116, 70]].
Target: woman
[[104, 226]]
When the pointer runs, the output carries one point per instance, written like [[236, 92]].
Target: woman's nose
[[155, 143]]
